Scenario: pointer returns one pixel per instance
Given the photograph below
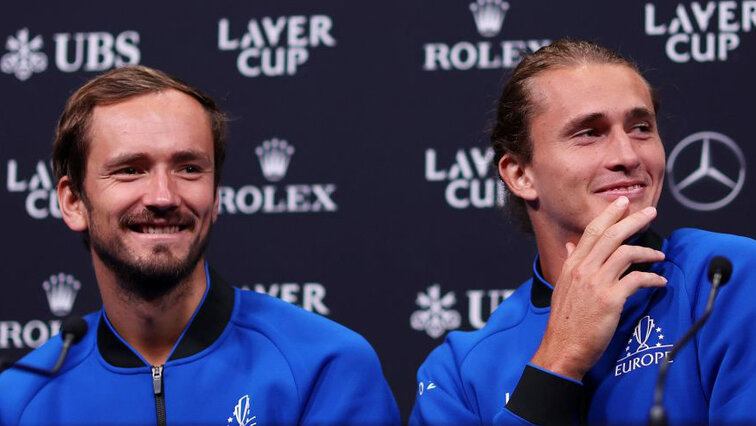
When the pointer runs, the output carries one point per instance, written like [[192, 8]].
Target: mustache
[[151, 216]]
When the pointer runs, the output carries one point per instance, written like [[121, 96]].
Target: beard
[[155, 276]]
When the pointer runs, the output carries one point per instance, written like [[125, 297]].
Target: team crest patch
[[647, 346], [242, 414]]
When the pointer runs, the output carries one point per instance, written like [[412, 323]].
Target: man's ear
[[72, 206], [516, 174]]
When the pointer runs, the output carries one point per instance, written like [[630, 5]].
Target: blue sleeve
[[727, 343], [541, 397], [441, 398], [350, 389]]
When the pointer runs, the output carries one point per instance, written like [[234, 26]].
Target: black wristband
[[546, 399]]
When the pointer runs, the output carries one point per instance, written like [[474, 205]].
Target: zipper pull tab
[[157, 379]]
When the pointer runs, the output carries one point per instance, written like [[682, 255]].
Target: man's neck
[[552, 251], [151, 328]]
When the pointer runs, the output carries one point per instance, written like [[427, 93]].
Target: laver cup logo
[[647, 346], [274, 156], [36, 181], [271, 47], [488, 17], [700, 32], [468, 177]]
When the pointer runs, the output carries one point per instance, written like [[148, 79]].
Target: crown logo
[[489, 16], [61, 290], [274, 156]]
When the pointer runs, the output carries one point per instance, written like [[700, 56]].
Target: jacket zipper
[[157, 388]]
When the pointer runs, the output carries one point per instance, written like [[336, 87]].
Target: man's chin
[[151, 276]]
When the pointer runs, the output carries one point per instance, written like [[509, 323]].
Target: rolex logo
[[489, 16], [274, 156], [61, 290]]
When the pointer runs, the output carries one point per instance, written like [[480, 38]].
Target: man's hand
[[590, 293]]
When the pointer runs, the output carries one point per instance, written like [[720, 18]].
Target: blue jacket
[[483, 377], [245, 358]]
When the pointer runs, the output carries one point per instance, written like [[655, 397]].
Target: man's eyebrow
[[641, 113], [122, 159], [137, 157], [189, 155], [581, 121]]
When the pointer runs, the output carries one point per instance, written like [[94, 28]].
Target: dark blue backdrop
[[386, 217]]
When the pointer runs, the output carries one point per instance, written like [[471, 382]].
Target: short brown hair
[[71, 144], [511, 129]]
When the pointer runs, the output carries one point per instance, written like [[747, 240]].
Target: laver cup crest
[[242, 413], [61, 290], [643, 331], [489, 16], [435, 315], [23, 58], [274, 156]]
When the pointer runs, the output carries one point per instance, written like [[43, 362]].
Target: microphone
[[720, 270], [72, 331]]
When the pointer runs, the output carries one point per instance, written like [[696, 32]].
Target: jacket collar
[[207, 325], [540, 293]]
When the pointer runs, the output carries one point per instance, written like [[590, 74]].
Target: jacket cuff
[[546, 398]]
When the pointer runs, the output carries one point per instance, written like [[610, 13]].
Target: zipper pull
[[157, 379]]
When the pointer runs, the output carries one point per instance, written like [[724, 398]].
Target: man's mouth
[[157, 229], [626, 188]]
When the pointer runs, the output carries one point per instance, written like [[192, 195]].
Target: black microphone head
[[721, 265], [75, 326]]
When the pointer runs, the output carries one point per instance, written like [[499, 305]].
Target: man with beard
[[576, 143], [137, 158]]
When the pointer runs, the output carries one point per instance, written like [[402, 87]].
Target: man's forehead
[[148, 107], [158, 122], [589, 89]]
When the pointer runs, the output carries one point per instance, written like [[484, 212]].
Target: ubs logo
[[719, 164]]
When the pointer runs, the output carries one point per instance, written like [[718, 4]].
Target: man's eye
[[192, 169], [645, 128], [127, 171], [587, 133]]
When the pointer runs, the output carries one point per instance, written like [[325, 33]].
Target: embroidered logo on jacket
[[647, 346], [241, 413]]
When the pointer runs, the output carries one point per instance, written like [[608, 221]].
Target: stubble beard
[[151, 279]]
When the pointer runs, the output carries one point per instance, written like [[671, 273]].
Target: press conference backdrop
[[358, 183]]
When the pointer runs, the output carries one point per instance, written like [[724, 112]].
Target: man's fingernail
[[649, 211], [622, 201]]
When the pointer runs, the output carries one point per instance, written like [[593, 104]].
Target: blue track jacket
[[483, 377], [245, 358]]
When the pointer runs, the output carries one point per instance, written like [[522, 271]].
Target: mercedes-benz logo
[[706, 170]]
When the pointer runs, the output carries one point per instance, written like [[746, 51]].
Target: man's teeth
[[159, 229], [624, 188]]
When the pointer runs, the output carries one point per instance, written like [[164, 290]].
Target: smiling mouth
[[628, 188], [158, 229]]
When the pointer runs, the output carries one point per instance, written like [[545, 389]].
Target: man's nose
[[622, 152], [161, 193]]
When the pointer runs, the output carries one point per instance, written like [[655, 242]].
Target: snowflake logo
[[435, 316], [23, 58]]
